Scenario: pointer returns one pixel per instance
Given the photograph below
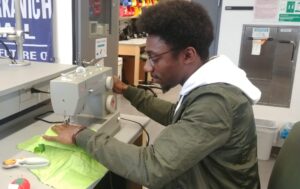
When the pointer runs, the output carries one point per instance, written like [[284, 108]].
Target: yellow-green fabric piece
[[70, 166]]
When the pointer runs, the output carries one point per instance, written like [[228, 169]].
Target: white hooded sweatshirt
[[220, 69]]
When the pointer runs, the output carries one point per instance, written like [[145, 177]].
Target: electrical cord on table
[[143, 128], [55, 122], [33, 90], [13, 60], [38, 117], [41, 119]]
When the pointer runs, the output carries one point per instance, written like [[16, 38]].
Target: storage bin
[[266, 131]]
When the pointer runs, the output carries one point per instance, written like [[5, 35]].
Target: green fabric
[[70, 166]]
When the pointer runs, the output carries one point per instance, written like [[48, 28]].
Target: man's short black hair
[[180, 24]]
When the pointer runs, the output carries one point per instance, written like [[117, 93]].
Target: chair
[[286, 170]]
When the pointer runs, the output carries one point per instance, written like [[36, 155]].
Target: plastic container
[[285, 130], [266, 131]]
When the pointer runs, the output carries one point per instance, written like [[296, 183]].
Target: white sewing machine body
[[85, 96]]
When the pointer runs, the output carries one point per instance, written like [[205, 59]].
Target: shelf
[[127, 17]]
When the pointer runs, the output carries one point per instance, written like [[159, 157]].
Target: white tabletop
[[129, 132], [14, 78], [137, 41]]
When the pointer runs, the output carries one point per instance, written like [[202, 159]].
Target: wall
[[62, 31], [229, 44], [213, 8], [63, 34]]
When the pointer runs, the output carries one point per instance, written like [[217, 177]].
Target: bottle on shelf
[[133, 8]]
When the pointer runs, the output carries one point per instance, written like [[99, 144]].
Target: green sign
[[289, 17], [289, 11], [290, 7]]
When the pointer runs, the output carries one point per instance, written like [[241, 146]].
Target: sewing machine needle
[[67, 121]]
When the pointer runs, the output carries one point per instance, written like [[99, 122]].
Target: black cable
[[38, 117], [150, 86], [13, 61], [34, 90], [147, 88], [143, 128]]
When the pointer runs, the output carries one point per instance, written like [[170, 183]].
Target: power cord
[[143, 128], [33, 90], [38, 117], [149, 87], [55, 122], [13, 60]]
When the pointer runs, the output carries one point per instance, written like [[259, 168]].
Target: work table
[[21, 77], [17, 101], [129, 133], [17, 81]]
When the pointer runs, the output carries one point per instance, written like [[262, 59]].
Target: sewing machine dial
[[109, 83], [111, 103]]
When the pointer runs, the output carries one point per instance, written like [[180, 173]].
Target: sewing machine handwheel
[[111, 103], [109, 83]]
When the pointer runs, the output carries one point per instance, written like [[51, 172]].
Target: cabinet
[[131, 50]]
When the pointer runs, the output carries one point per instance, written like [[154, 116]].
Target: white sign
[[260, 36], [101, 48], [261, 33]]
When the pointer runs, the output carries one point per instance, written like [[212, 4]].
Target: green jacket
[[209, 143]]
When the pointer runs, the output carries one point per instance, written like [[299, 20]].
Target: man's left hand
[[65, 133]]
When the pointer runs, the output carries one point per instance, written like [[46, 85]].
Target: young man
[[210, 139]]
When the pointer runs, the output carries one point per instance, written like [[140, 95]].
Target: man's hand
[[65, 133], [119, 86]]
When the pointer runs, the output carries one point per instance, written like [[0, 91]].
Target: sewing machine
[[85, 97]]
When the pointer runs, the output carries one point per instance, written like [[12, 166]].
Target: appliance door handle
[[252, 38], [293, 45]]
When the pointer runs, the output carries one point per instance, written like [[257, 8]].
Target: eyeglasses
[[152, 59]]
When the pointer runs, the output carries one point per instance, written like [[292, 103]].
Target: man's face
[[163, 66]]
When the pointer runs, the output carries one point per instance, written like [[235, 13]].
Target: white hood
[[220, 70]]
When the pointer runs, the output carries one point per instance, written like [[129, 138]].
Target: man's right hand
[[119, 86]]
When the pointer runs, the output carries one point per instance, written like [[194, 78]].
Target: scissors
[[31, 163]]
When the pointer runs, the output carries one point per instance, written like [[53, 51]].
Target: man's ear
[[190, 55]]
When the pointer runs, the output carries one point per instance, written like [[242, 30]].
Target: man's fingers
[[58, 128], [50, 138], [64, 133]]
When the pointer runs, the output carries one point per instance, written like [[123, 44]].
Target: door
[[214, 8]]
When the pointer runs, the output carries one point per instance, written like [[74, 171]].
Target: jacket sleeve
[[204, 127], [157, 109]]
